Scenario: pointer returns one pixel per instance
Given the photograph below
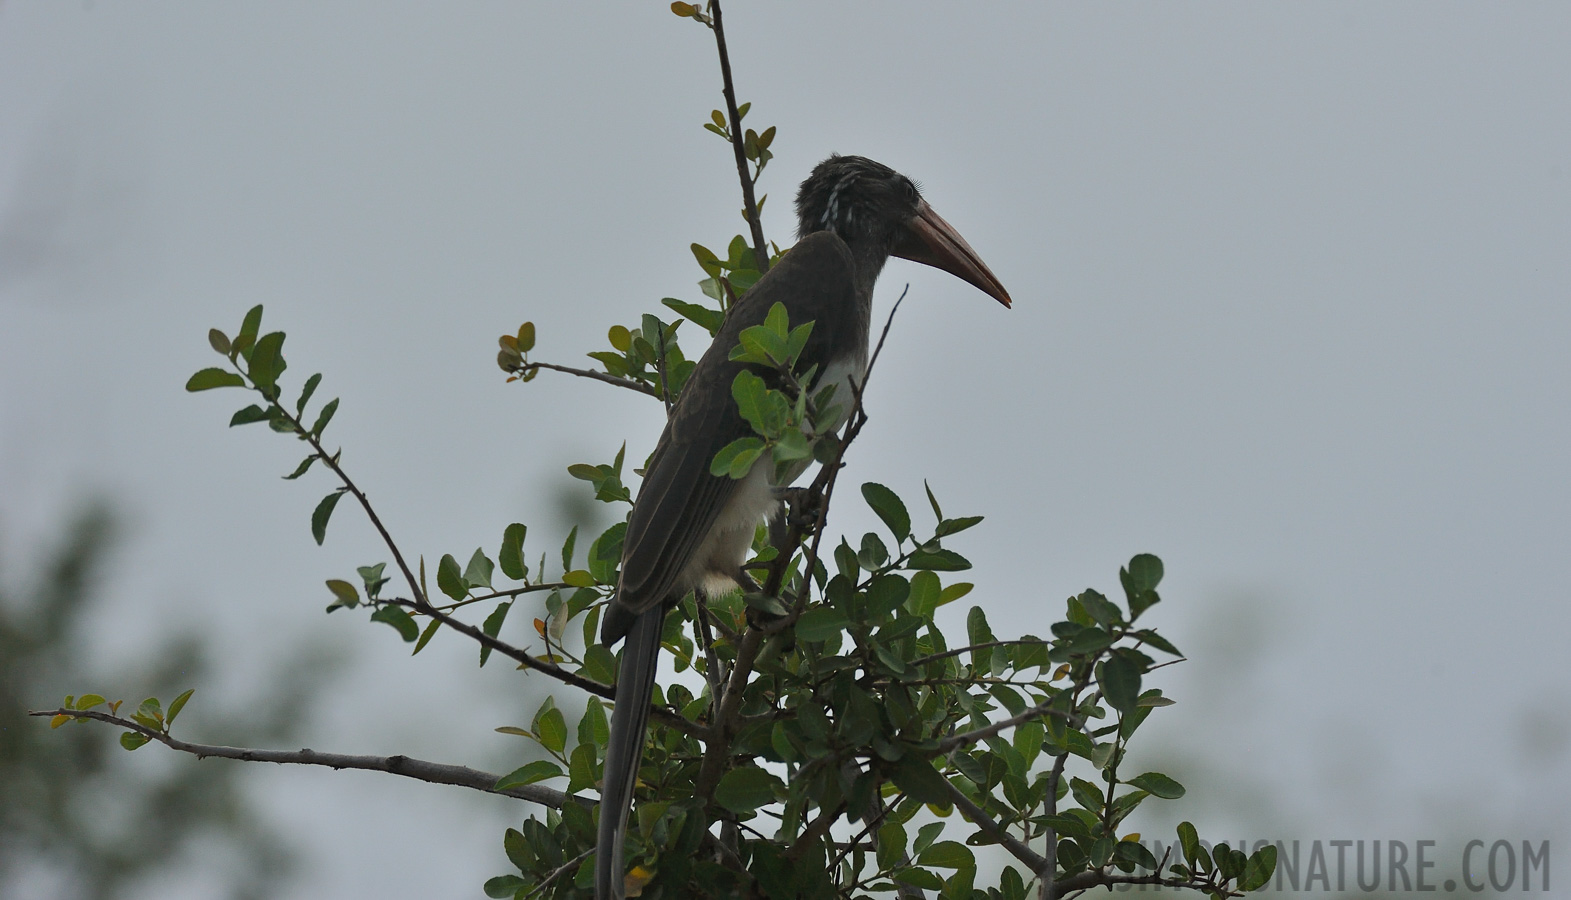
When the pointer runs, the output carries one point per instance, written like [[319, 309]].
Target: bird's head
[[881, 213]]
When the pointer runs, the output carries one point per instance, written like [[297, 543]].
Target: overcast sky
[[1291, 311]]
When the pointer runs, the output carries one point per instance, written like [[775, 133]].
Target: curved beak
[[932, 241]]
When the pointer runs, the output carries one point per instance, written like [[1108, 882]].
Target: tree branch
[[1098, 878], [418, 769], [956, 741], [982, 820], [924, 660], [523, 657], [590, 373], [749, 205]]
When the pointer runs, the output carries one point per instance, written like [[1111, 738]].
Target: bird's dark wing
[[680, 500]]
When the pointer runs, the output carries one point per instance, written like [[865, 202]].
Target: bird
[[690, 530]]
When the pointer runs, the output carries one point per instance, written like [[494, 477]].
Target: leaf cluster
[[149, 714]]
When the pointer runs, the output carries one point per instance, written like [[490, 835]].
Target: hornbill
[[691, 530]]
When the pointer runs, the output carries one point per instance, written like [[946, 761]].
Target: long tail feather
[[624, 752]]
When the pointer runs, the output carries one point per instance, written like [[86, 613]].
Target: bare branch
[[418, 769], [749, 205], [590, 373]]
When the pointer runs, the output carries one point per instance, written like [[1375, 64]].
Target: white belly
[[754, 500]]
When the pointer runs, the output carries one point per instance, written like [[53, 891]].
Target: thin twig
[[590, 373], [418, 769], [558, 872], [510, 592], [749, 205], [921, 661], [573, 679], [966, 738]]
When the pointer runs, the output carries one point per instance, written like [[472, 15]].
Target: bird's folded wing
[[680, 500]]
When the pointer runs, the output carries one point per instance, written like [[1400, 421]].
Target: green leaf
[[599, 664], [176, 705], [539, 770], [920, 781], [593, 729], [1087, 794], [325, 416], [1190, 841], [1099, 608], [425, 636], [250, 326], [519, 853], [131, 740], [579, 578], [938, 561], [706, 318], [301, 469], [747, 788], [567, 549], [581, 768], [933, 502], [88, 701], [977, 629], [1260, 868], [321, 514], [926, 835], [955, 526], [218, 341], [449, 580], [1120, 681], [605, 553], [511, 557], [526, 337], [551, 727], [493, 625], [736, 458], [947, 855], [267, 362], [820, 624], [479, 569], [1158, 785], [307, 391], [925, 591], [891, 844], [503, 887], [372, 576], [1157, 641], [150, 714], [249, 415], [920, 878], [396, 617], [889, 507], [954, 592], [1145, 572], [210, 378], [344, 594]]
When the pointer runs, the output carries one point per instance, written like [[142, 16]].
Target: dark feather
[[680, 501]]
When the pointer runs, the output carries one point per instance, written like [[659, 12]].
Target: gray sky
[[1290, 288]]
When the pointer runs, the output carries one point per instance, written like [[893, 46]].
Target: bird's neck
[[868, 259]]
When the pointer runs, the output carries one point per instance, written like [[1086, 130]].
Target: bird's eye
[[912, 195]]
